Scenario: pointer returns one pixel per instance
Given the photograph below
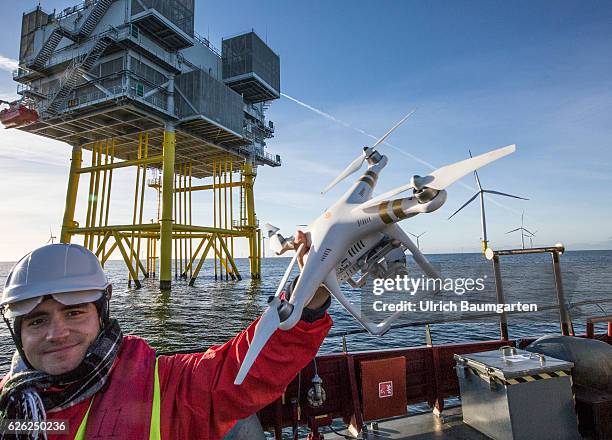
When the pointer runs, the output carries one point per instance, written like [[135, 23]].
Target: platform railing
[[591, 321]]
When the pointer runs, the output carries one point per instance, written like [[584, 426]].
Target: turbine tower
[[263, 246], [523, 231], [481, 191]]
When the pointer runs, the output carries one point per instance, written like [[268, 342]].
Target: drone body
[[347, 231], [358, 234]]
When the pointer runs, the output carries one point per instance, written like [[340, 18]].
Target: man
[[73, 363]]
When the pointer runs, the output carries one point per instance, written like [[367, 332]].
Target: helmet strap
[[103, 307]]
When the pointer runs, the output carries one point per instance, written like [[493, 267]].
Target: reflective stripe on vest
[[154, 431]]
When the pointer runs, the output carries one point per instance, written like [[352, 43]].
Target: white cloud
[[8, 63]]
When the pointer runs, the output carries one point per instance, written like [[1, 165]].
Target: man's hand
[[322, 294], [301, 238]]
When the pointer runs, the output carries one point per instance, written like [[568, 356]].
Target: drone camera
[[386, 259]]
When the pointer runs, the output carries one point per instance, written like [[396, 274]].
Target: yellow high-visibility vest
[[154, 430]]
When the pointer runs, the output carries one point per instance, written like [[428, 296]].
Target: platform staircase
[[78, 67], [90, 23]]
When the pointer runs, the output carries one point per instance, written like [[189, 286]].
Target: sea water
[[194, 318]]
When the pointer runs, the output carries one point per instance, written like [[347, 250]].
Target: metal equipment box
[[511, 394]]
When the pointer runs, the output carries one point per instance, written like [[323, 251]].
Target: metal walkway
[[420, 427]]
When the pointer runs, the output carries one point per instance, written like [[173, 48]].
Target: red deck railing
[[430, 378]]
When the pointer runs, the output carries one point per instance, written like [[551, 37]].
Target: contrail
[[359, 130], [405, 153]]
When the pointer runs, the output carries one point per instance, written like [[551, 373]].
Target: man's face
[[56, 337]]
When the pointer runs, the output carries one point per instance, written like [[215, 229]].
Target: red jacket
[[198, 397]]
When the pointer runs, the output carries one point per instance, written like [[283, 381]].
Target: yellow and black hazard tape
[[522, 379], [539, 376]]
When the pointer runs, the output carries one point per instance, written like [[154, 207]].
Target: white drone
[[358, 235]]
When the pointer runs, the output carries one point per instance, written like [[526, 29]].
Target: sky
[[480, 74]]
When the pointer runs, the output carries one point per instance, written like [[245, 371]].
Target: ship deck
[[422, 426]]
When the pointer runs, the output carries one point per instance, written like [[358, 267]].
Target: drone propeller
[[270, 230], [355, 165], [482, 190], [447, 175], [267, 324], [275, 239], [278, 243]]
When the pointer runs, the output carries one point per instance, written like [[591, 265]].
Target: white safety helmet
[[69, 272]]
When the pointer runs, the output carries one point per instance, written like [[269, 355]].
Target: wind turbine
[[523, 231], [417, 238], [263, 245], [531, 239], [483, 222], [51, 237]]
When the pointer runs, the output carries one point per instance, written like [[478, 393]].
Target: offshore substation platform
[[130, 81]]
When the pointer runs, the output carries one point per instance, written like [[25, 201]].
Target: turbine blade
[[514, 230], [477, 180], [503, 194], [464, 205], [476, 174]]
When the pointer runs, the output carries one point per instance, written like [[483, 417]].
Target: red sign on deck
[[385, 389]]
